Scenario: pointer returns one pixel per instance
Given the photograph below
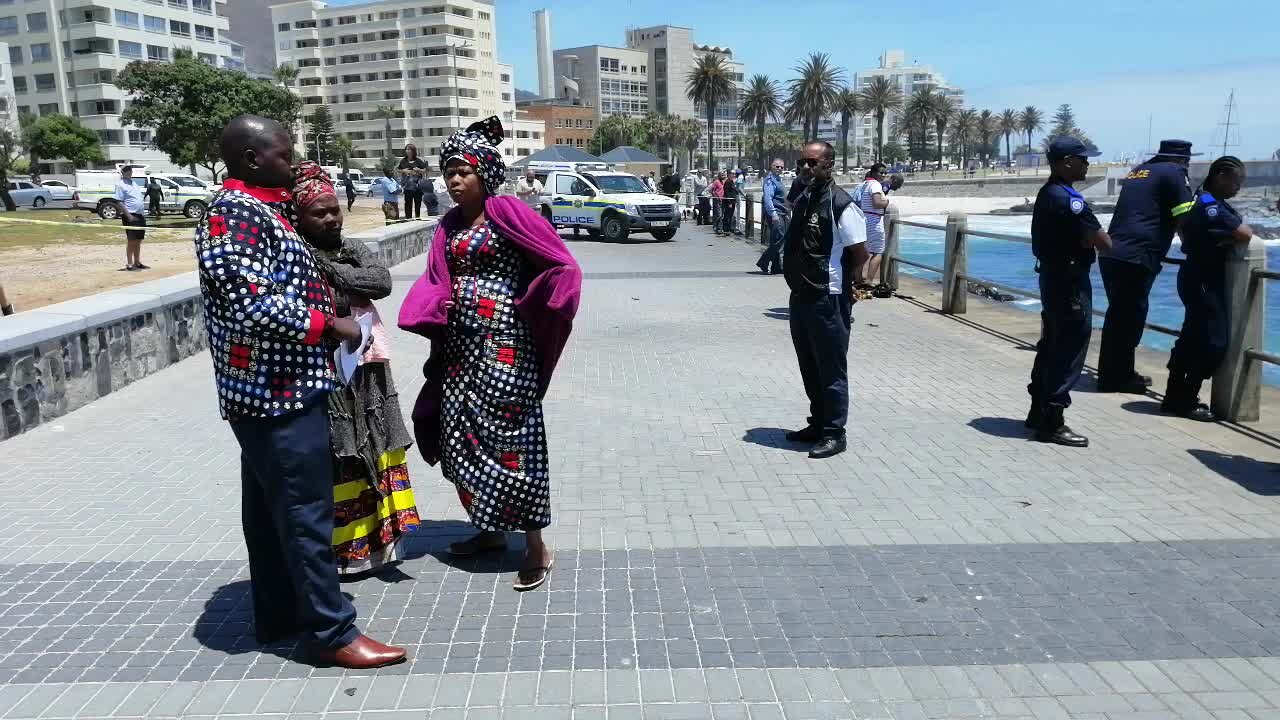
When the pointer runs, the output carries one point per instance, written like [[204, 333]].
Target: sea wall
[[62, 357]]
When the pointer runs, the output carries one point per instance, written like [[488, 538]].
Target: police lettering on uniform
[[1064, 237], [1208, 232], [1154, 198]]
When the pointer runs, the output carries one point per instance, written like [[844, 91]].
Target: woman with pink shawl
[[497, 301]]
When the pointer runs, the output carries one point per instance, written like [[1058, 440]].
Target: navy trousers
[[771, 259], [1202, 345], [1128, 287], [820, 326], [287, 494], [1066, 318]]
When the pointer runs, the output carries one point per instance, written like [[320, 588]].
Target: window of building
[[154, 24], [353, 117], [330, 61], [20, 84], [349, 59], [393, 95], [609, 64], [48, 108], [204, 33], [105, 107], [392, 15], [408, 12], [326, 22], [9, 25], [351, 78], [304, 24], [390, 35], [313, 100], [371, 77], [157, 53], [179, 28], [328, 42], [202, 6], [45, 82], [40, 53], [348, 39], [208, 59], [178, 4], [389, 55], [368, 37], [124, 18], [130, 49], [309, 82], [139, 137], [310, 62], [347, 20], [307, 43], [109, 137], [393, 75], [15, 55], [37, 22]]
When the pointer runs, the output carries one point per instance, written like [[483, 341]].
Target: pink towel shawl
[[548, 305]]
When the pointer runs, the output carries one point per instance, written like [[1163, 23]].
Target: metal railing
[[1237, 386]]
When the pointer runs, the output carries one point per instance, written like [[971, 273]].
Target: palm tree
[[285, 74], [943, 111], [849, 106], [690, 136], [814, 92], [963, 129], [660, 128], [760, 102], [917, 118], [385, 112], [710, 83], [1030, 121], [1008, 126], [342, 146], [879, 97], [986, 129]]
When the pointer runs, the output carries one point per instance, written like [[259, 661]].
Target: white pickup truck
[[607, 203]]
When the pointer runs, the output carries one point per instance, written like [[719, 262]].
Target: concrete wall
[[1011, 186], [62, 357]]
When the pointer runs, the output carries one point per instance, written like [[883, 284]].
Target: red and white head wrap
[[311, 183]]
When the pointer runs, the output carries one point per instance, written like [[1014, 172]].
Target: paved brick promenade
[[944, 568]]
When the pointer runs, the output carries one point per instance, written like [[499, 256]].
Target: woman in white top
[[873, 200]]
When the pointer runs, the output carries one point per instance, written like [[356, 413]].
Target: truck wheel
[[614, 228], [664, 235], [546, 213], [107, 210], [194, 209]]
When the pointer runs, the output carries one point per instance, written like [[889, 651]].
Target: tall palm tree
[[661, 129], [880, 97], [385, 112], [917, 119], [285, 74], [710, 83], [849, 106], [986, 129], [814, 92], [760, 102], [342, 146], [690, 135], [944, 110], [1008, 126], [1029, 121], [963, 129]]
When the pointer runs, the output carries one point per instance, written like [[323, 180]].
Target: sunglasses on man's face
[[809, 162]]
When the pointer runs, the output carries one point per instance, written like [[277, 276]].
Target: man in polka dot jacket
[[269, 314]]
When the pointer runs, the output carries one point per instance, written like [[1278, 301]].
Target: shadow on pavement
[[1000, 427], [226, 625], [773, 438], [778, 313], [1143, 407], [1259, 478], [433, 539], [639, 239]]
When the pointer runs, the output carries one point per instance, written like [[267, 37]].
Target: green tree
[[893, 152], [1064, 121], [963, 129], [916, 120], [943, 112], [342, 146], [691, 135], [708, 84], [1029, 121], [187, 103], [986, 129], [849, 105], [1008, 126], [10, 156], [784, 144], [761, 101], [813, 93], [660, 129], [616, 131], [879, 97], [320, 138], [59, 136], [286, 75], [385, 113]]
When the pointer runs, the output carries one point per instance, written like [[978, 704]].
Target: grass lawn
[[95, 230]]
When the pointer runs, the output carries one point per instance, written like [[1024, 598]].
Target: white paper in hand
[[348, 357]]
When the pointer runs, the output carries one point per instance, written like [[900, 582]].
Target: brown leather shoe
[[363, 653]]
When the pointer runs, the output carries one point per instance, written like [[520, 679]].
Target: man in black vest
[[825, 241]]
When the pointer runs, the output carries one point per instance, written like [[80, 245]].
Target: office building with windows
[[649, 75], [565, 122], [432, 67], [908, 77], [64, 60]]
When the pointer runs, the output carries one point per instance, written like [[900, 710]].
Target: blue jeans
[[771, 259]]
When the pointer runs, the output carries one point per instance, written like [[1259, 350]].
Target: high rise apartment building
[[8, 105], [433, 65], [64, 60], [649, 75], [908, 77]]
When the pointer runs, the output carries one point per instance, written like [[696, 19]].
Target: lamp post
[[453, 65]]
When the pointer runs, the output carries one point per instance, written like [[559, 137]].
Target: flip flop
[[539, 576], [474, 546]]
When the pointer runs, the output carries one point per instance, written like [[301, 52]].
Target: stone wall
[[62, 357]]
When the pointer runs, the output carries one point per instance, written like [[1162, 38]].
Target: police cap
[[1067, 146]]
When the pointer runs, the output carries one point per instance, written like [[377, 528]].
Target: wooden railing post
[[1237, 386], [955, 294], [748, 229], [889, 263]]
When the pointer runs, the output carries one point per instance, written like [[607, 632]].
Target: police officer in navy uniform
[[1154, 198], [1064, 237], [1208, 232]]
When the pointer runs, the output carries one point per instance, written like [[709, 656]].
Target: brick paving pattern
[[944, 568]]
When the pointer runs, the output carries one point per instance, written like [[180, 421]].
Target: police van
[[96, 191], [604, 202]]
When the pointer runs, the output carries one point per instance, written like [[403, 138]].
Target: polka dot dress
[[493, 438]]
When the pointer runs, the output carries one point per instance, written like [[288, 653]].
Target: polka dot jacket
[[265, 305]]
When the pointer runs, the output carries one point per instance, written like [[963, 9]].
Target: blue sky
[[1118, 62]]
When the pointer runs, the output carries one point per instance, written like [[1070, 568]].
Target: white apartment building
[[64, 59], [909, 77], [434, 63], [649, 75], [8, 105]]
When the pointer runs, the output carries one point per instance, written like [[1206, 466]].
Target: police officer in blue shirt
[[1208, 232], [1064, 237], [1154, 198]]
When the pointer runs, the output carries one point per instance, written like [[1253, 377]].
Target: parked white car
[[59, 189], [27, 194]]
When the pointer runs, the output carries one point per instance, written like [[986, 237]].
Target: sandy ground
[[36, 276]]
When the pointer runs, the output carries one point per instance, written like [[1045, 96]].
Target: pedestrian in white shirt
[[131, 205], [444, 201], [529, 189]]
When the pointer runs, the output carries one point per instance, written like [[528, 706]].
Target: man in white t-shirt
[[529, 189], [131, 205]]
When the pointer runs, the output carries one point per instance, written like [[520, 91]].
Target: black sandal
[[477, 545], [533, 578]]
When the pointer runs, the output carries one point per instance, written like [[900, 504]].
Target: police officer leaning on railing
[[1065, 236]]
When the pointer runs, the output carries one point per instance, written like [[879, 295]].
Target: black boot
[[1052, 429], [1182, 398]]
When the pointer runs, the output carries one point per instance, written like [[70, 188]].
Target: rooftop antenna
[[1232, 114]]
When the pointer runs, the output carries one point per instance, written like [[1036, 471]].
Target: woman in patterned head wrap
[[497, 300], [373, 503]]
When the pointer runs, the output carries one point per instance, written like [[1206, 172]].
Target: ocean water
[[1012, 264]]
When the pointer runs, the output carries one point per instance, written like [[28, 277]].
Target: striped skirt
[[369, 523]]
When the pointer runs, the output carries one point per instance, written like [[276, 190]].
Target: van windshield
[[617, 183]]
